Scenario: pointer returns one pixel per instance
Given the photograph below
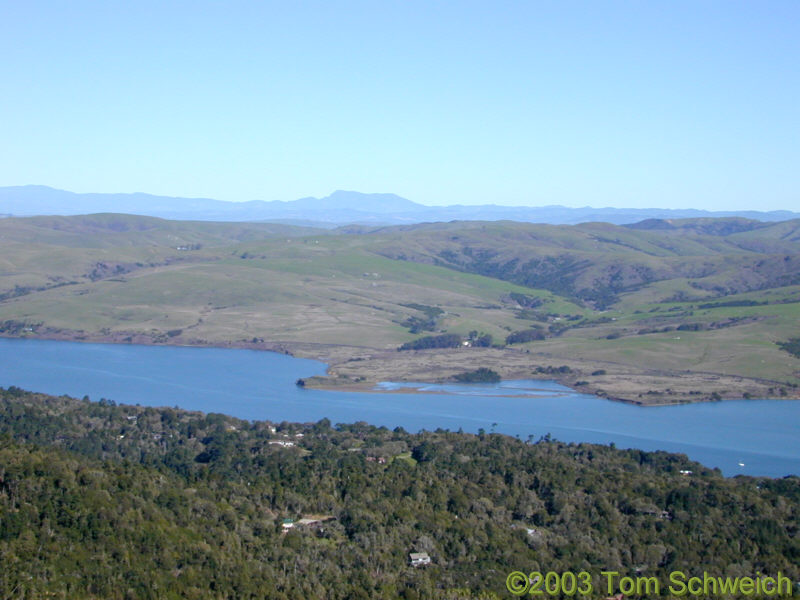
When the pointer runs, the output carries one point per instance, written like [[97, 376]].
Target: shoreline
[[572, 418], [360, 369]]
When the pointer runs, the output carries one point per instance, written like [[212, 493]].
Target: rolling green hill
[[597, 263], [668, 311]]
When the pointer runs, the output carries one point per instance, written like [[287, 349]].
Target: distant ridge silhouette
[[340, 207]]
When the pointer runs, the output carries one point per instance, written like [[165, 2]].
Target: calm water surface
[[762, 435]]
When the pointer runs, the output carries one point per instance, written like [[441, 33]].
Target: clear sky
[[651, 104]]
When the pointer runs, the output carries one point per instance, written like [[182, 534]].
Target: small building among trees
[[419, 559]]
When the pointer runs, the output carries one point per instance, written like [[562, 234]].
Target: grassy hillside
[[106, 501], [667, 310], [597, 263], [321, 288]]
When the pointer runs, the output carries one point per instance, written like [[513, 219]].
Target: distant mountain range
[[341, 207]]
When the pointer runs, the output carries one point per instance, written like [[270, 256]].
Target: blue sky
[[631, 104]]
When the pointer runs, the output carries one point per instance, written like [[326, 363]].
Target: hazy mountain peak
[[351, 200]]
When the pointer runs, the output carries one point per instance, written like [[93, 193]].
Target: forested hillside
[[106, 501]]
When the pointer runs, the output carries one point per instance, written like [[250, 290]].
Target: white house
[[419, 559]]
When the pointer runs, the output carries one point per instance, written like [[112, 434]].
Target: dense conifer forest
[[106, 501]]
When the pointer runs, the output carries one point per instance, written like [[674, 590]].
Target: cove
[[762, 435]]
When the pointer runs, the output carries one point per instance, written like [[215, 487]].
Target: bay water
[[754, 437]]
